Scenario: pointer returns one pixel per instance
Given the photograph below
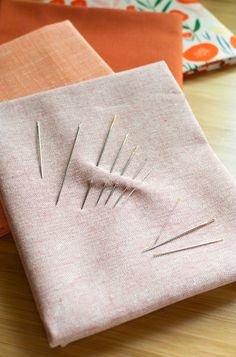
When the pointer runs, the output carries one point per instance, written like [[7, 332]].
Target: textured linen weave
[[86, 267]]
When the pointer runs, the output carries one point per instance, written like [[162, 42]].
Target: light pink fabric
[[86, 268]]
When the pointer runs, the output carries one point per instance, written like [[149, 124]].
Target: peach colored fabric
[[86, 267], [50, 57], [124, 39]]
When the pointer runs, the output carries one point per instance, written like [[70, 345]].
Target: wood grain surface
[[202, 326]]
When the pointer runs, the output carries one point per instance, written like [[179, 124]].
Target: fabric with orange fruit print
[[207, 43]]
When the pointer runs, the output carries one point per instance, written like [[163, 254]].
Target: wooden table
[[201, 326]]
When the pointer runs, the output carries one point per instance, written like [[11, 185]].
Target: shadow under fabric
[[53, 56], [124, 39], [86, 267]]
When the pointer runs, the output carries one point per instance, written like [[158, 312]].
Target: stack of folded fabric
[[98, 177], [207, 43], [124, 40], [65, 67]]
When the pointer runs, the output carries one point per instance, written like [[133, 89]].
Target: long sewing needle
[[112, 167], [86, 194], [187, 248], [68, 164], [128, 161], [118, 153], [181, 235], [167, 221], [39, 148], [106, 140], [122, 172], [100, 194], [140, 168], [99, 158]]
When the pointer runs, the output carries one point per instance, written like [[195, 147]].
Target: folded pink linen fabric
[[86, 267]]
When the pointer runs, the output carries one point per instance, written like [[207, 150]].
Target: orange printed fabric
[[53, 56], [124, 39], [207, 43]]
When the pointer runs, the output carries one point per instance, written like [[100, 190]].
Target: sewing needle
[[122, 172], [112, 167], [39, 148], [181, 235], [129, 160], [167, 221], [99, 158], [134, 189], [118, 153], [187, 248], [100, 194], [86, 194], [68, 163], [105, 141], [140, 168]]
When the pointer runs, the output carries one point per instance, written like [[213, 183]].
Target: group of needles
[[111, 190], [179, 236], [126, 191]]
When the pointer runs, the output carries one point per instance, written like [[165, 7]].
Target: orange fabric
[[124, 39], [50, 57]]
